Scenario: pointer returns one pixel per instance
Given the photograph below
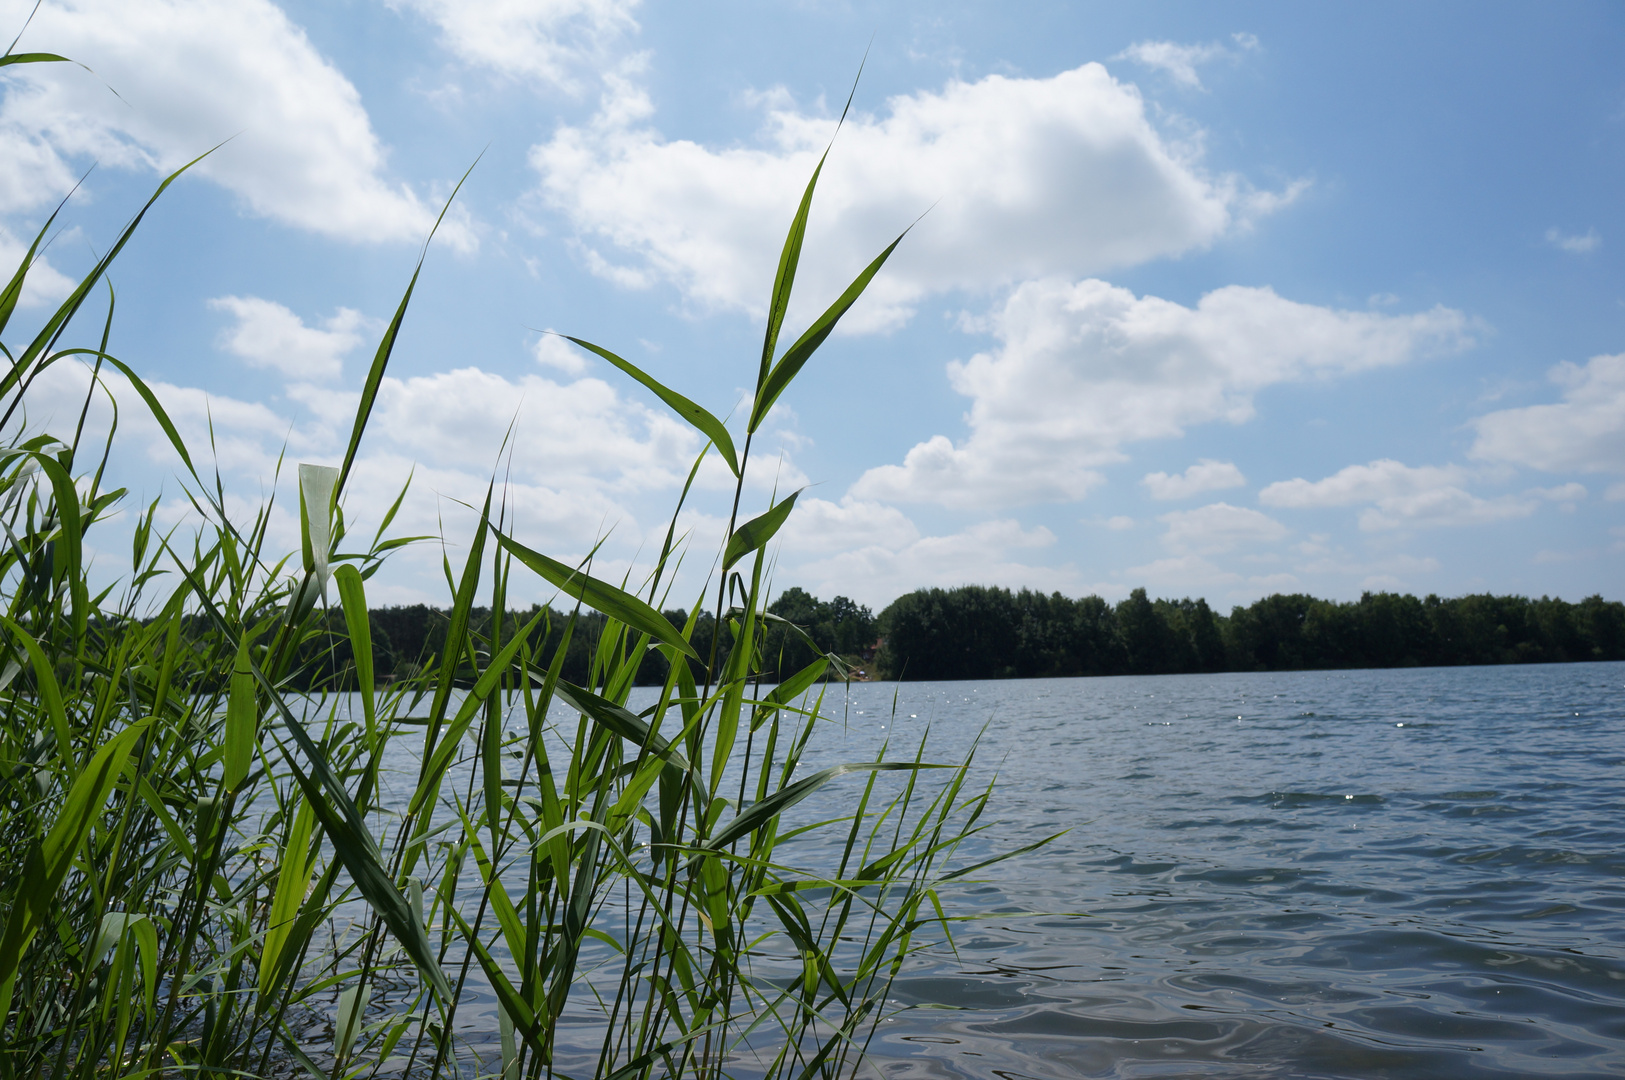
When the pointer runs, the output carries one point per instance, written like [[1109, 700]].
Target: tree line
[[982, 632], [406, 639], [977, 632]]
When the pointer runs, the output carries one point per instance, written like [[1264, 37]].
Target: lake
[[1403, 873]]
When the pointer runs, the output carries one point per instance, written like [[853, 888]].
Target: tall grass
[[210, 873]]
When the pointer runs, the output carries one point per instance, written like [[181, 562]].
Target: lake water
[[1416, 873]]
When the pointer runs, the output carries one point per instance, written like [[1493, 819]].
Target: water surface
[[1412, 873]]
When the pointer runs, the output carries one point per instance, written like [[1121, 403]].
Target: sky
[[1218, 300]]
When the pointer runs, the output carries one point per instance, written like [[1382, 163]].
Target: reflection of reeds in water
[[186, 832]]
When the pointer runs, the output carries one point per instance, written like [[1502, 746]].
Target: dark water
[[1327, 874]]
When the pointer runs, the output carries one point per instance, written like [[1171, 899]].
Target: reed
[[213, 873]]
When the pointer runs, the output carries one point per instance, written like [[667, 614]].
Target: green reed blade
[[293, 879], [386, 347], [14, 288], [50, 695], [795, 357], [756, 532], [528, 1022], [436, 766], [600, 595], [70, 307], [707, 424], [508, 920], [342, 822], [964, 871], [69, 550], [48, 859], [796, 685], [353, 595], [356, 849], [156, 409], [629, 726], [241, 731], [753, 817], [784, 281], [34, 58]]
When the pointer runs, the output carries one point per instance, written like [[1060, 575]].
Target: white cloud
[[1084, 368], [1023, 178], [1361, 483], [246, 435], [553, 351], [1182, 572], [578, 465], [190, 74], [1584, 433], [1387, 572], [546, 40], [982, 554], [1180, 62], [268, 335], [1119, 522], [1574, 244], [578, 433], [1219, 527], [1402, 496], [821, 527], [1562, 493], [1205, 475]]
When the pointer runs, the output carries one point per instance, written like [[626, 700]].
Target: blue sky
[[1221, 300]]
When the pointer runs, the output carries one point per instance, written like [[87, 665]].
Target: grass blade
[[353, 595], [386, 347], [708, 425], [241, 729], [756, 532], [33, 58], [48, 859], [798, 354], [600, 595], [757, 814]]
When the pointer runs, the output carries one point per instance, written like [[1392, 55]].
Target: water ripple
[[1328, 874]]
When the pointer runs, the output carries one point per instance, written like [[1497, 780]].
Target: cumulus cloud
[[553, 351], [1574, 244], [1401, 496], [1562, 493], [1583, 433], [572, 459], [1205, 475], [1024, 177], [1393, 572], [821, 527], [1183, 572], [987, 553], [577, 431], [190, 74], [546, 40], [1179, 62], [1219, 527], [268, 335], [1083, 369]]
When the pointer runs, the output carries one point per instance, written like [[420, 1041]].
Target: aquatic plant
[[213, 872]]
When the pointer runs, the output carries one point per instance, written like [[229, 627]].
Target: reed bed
[[211, 873]]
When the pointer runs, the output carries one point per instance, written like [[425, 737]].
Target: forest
[[983, 632], [976, 632]]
